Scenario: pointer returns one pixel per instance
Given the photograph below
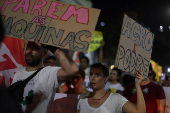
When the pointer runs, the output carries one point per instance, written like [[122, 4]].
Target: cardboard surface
[[95, 41], [135, 47], [52, 22]]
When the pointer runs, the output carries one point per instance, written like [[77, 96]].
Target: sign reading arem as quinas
[[135, 47], [51, 22]]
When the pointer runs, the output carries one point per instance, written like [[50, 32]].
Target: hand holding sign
[[139, 77]]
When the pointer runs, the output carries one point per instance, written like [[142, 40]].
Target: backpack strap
[[30, 77]]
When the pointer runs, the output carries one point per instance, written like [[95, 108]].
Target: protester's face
[[50, 62], [97, 79], [77, 80], [33, 54], [83, 63], [113, 75]]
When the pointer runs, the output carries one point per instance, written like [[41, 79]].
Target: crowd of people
[[103, 92], [111, 92]]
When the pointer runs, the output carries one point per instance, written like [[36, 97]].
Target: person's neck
[[145, 82], [114, 81], [30, 68], [98, 93], [78, 90]]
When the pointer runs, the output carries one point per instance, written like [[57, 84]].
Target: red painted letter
[[82, 14], [53, 9], [134, 47], [38, 7], [23, 4], [6, 3]]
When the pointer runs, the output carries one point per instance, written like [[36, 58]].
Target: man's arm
[[69, 67], [70, 53], [100, 59], [160, 105], [140, 107]]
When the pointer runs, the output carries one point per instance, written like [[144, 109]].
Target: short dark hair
[[127, 79], [84, 57], [119, 72], [153, 74], [150, 67], [105, 70], [82, 73], [50, 57]]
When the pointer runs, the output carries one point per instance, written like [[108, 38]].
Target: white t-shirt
[[87, 71], [113, 87], [39, 91], [167, 94], [86, 84], [113, 104]]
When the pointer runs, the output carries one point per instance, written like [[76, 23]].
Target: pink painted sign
[[53, 23]]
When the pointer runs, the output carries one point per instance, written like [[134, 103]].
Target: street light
[[161, 29], [168, 69], [112, 66]]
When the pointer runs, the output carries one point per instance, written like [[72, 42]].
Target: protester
[[65, 87], [166, 88], [153, 94], [6, 100], [50, 61], [101, 101], [84, 64], [77, 82], [113, 85], [152, 76], [39, 92]]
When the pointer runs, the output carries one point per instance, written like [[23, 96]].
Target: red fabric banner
[[12, 59]]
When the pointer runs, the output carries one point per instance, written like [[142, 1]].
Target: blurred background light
[[102, 23]]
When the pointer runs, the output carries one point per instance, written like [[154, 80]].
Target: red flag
[[12, 59]]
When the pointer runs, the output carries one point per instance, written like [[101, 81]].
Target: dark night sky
[[153, 13]]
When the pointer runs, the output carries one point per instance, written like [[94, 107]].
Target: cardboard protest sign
[[135, 47], [95, 41], [52, 22]]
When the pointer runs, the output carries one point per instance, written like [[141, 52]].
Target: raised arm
[[100, 58], [69, 67], [70, 53], [140, 107]]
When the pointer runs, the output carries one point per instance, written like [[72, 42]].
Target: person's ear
[[44, 54], [106, 79]]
